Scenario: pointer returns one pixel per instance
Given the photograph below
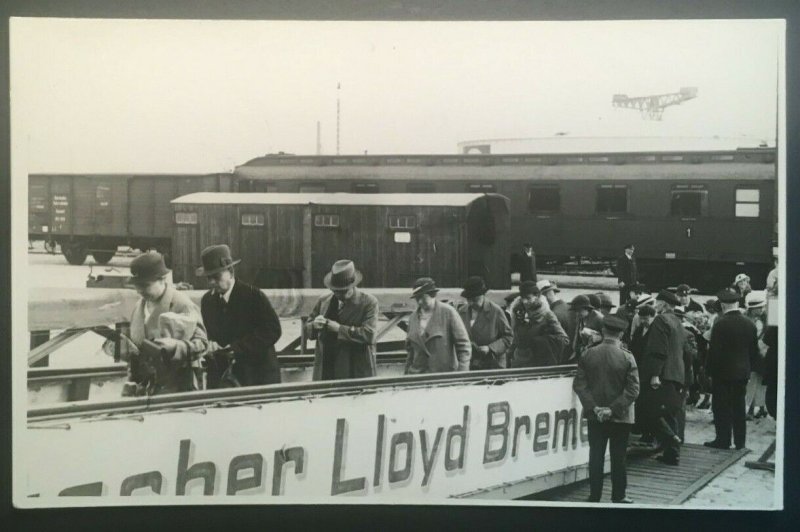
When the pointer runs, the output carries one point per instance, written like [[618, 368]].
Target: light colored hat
[[741, 277], [545, 285], [755, 300], [645, 299]]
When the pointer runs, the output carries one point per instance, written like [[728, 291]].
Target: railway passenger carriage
[[291, 240]]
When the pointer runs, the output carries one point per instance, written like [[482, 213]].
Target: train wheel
[[50, 246], [102, 257], [75, 253]]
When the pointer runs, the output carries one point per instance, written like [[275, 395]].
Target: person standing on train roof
[[344, 324], [159, 298], [627, 274], [437, 340], [488, 328], [664, 376], [607, 384], [242, 325], [550, 291], [732, 351], [539, 339]]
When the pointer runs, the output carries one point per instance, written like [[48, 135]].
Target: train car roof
[[328, 198], [599, 172]]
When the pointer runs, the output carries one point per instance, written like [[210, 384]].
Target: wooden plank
[[39, 353], [721, 466]]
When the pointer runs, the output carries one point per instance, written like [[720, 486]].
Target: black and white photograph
[[483, 263]]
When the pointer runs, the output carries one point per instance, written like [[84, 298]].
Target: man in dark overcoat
[[539, 339], [525, 263], [242, 325], [344, 324], [663, 376], [607, 384], [627, 274], [557, 305], [488, 328], [732, 350]]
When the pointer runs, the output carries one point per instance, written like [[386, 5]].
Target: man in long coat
[[732, 350], [344, 324], [539, 340], [663, 375], [488, 328], [627, 274], [242, 325]]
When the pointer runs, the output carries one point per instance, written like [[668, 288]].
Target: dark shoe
[[714, 444], [741, 447], [667, 460], [624, 500]]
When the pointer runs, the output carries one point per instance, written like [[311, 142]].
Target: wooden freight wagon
[[96, 213], [291, 240]]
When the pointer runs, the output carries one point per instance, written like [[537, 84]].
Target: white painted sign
[[393, 444], [402, 237]]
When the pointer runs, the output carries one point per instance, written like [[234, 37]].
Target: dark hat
[[669, 297], [615, 323], [148, 267], [712, 305], [475, 286], [581, 302], [605, 300], [628, 245], [647, 310], [343, 275], [528, 287], [424, 285], [685, 290], [215, 259], [594, 299], [726, 295], [545, 286]]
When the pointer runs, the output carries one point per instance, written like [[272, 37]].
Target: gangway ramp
[[651, 482]]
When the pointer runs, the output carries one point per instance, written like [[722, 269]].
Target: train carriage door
[[404, 261], [331, 240], [39, 221], [688, 205], [103, 219], [441, 248], [186, 245]]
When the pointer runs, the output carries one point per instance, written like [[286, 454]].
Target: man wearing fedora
[[663, 374], [627, 274], [732, 352], [344, 324], [181, 356], [607, 384], [584, 326], [242, 325], [487, 326], [539, 339]]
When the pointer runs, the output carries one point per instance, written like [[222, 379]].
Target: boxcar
[[291, 240], [697, 217], [97, 213]]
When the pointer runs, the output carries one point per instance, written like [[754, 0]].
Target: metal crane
[[652, 107]]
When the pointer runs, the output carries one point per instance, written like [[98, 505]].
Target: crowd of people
[[639, 363]]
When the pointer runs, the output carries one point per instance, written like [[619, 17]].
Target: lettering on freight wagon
[[395, 456]]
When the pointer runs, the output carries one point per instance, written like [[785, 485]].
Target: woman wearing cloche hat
[[488, 328]]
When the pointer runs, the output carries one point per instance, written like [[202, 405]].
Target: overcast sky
[[204, 96]]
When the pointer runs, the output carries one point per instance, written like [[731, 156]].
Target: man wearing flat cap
[[344, 324], [487, 326], [242, 325], [178, 361], [732, 352], [539, 339], [607, 384], [663, 375], [684, 292]]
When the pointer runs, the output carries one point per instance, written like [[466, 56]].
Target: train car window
[[689, 201], [326, 220], [186, 218], [612, 199], [365, 188], [252, 219], [544, 199], [420, 188], [312, 188], [481, 187], [747, 202], [402, 222], [263, 186]]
